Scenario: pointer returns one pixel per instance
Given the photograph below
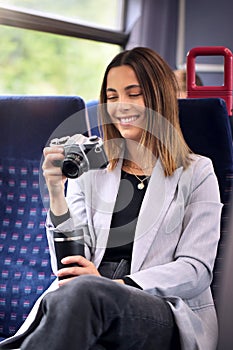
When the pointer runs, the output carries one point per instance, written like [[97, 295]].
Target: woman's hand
[[85, 267], [53, 156], [55, 180]]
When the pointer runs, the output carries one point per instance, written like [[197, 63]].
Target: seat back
[[94, 126], [27, 125], [206, 128]]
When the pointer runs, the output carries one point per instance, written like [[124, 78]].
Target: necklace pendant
[[141, 186]]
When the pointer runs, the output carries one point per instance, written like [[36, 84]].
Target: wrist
[[58, 204], [57, 220]]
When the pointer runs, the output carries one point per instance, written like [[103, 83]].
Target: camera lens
[[71, 165]]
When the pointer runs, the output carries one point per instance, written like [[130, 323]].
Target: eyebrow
[[126, 88]]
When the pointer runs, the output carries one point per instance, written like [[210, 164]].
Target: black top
[[124, 218]]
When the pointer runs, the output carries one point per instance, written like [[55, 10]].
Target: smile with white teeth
[[127, 120]]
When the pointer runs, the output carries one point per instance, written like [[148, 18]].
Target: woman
[[153, 219]]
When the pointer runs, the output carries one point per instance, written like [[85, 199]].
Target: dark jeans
[[94, 313]]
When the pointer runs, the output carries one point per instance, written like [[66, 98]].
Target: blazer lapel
[[106, 186], [158, 197]]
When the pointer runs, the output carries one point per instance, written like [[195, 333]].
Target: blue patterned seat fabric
[[25, 263], [28, 123]]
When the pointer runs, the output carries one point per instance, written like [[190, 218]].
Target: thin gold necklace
[[141, 184], [126, 164]]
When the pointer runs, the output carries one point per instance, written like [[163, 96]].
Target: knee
[[89, 290], [87, 293], [85, 285], [71, 295], [99, 290], [88, 287], [81, 286]]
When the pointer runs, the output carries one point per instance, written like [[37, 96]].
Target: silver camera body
[[80, 158]]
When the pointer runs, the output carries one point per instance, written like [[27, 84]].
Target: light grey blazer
[[175, 244]]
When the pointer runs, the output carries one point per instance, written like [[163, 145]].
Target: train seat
[[206, 127], [92, 112], [27, 123]]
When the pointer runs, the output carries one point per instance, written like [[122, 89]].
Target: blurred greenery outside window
[[102, 13], [38, 63]]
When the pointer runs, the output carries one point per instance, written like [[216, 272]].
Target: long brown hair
[[159, 89]]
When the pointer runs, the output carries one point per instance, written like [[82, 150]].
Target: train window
[[34, 62], [104, 13]]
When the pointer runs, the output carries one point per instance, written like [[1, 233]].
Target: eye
[[111, 97], [134, 91], [135, 94]]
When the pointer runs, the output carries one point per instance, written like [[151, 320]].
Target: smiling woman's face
[[125, 102]]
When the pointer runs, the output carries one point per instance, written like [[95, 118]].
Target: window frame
[[35, 20]]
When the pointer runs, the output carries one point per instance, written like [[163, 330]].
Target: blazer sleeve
[[76, 203]]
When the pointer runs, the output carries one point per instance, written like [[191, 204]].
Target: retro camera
[[80, 158]]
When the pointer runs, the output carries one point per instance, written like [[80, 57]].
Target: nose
[[123, 104], [118, 108]]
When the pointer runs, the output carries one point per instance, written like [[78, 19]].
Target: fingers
[[52, 149], [85, 267], [78, 259], [53, 157]]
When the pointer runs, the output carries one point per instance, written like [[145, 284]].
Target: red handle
[[224, 91]]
